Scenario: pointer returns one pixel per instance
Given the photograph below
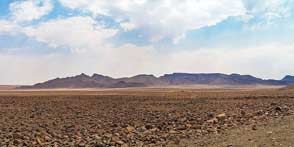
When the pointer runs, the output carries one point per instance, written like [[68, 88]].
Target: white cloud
[[7, 26], [127, 26], [157, 19], [162, 18], [77, 33], [269, 10], [28, 10]]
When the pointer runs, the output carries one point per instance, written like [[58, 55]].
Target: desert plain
[[148, 117]]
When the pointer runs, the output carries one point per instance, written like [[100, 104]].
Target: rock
[[124, 145], [196, 127], [182, 127], [26, 138], [154, 130], [212, 121], [99, 145], [117, 140], [39, 141], [142, 129], [221, 116], [97, 137], [139, 144], [278, 109], [17, 142], [183, 119], [130, 129], [82, 144], [107, 135], [269, 132], [210, 115], [254, 127], [148, 126], [243, 113], [17, 136], [55, 144], [47, 138], [173, 132], [188, 125]]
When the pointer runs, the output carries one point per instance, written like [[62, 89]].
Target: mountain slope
[[213, 79], [289, 80], [79, 81], [148, 80], [101, 81]]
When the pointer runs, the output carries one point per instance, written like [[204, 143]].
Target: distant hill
[[101, 81], [7, 87], [289, 80], [148, 80], [79, 81], [216, 79], [211, 79], [96, 81]]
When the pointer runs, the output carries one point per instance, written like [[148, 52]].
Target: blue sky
[[44, 39]]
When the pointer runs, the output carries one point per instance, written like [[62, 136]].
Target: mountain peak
[[145, 75], [95, 75], [288, 78], [83, 75]]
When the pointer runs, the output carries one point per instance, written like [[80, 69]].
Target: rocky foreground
[[145, 119]]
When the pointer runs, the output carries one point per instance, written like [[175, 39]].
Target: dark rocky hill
[[215, 79], [289, 80], [101, 81]]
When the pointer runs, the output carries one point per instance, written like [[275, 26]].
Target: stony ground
[[143, 118]]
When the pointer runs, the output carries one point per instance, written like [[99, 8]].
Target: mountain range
[[143, 80]]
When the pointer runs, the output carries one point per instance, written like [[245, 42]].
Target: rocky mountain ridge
[[143, 80]]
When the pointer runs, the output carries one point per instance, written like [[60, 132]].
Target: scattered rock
[[112, 121], [39, 141], [130, 129], [212, 121], [173, 132], [221, 116], [254, 127], [82, 144], [278, 109]]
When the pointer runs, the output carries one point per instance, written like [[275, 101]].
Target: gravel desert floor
[[148, 117]]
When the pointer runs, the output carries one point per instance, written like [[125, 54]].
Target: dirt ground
[[148, 117], [275, 132]]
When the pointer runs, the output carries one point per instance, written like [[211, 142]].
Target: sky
[[45, 39]]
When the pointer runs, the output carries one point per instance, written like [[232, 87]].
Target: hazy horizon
[[45, 39], [119, 77]]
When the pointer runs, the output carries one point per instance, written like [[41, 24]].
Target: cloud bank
[[162, 18], [91, 48]]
